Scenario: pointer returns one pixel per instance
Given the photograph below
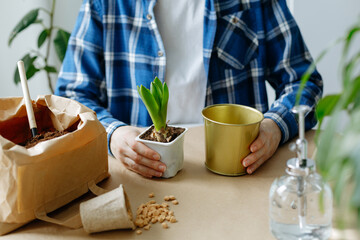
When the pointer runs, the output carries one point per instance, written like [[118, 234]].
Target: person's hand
[[264, 145], [136, 156]]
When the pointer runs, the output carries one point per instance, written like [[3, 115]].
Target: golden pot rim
[[234, 105]]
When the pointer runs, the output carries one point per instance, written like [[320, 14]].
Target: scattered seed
[[152, 212], [161, 218], [164, 225], [173, 219]]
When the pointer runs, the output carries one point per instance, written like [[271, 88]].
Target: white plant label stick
[[28, 103]]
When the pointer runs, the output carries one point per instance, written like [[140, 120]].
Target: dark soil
[[172, 134], [43, 137]]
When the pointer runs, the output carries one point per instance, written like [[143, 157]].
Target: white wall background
[[321, 22]]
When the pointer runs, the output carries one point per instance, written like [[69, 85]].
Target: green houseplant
[[34, 60], [156, 101], [338, 143], [167, 140]]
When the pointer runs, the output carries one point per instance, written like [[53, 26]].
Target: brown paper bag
[[40, 179]]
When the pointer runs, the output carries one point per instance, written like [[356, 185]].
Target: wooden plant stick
[[28, 103]]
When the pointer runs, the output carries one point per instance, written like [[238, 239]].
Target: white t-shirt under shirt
[[181, 28]]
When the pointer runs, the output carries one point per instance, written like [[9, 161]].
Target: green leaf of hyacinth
[[42, 37], [151, 105], [25, 22], [156, 93], [159, 84], [30, 69], [60, 43], [164, 102], [156, 100]]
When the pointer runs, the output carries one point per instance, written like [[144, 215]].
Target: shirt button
[[149, 17], [160, 53], [234, 20]]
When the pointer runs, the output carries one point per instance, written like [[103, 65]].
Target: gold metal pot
[[229, 131]]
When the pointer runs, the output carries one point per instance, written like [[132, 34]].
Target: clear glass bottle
[[300, 206], [300, 201]]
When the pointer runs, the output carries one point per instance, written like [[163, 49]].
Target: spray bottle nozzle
[[301, 144]]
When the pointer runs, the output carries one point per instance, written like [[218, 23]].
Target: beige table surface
[[210, 206]]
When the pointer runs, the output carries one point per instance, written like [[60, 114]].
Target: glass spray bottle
[[300, 201]]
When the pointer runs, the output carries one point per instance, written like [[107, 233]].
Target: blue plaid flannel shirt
[[116, 46]]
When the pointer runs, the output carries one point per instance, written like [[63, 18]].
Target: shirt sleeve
[[287, 59], [82, 76]]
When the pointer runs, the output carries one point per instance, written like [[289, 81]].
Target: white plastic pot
[[172, 153]]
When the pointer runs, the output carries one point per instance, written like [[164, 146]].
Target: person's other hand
[[135, 155], [264, 145]]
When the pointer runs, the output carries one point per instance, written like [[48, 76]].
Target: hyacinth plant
[[156, 101]]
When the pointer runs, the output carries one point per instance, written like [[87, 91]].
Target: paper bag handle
[[74, 221]]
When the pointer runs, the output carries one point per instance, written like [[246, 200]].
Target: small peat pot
[[171, 153]]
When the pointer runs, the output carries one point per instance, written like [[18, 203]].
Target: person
[[207, 51]]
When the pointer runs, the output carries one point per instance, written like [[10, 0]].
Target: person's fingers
[[143, 150], [258, 143], [140, 169], [139, 159], [250, 169], [264, 146], [253, 157], [135, 156]]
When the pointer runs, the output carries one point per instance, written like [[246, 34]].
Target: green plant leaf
[[347, 44], [353, 92], [355, 200], [38, 21], [42, 37], [326, 142], [25, 22], [156, 100], [60, 42], [326, 106], [349, 37], [50, 69], [30, 69], [349, 69], [357, 102], [341, 180], [151, 105], [156, 93], [164, 102], [159, 84]]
